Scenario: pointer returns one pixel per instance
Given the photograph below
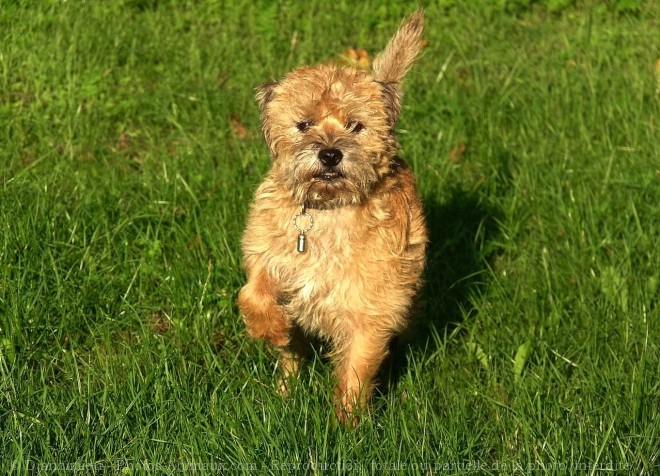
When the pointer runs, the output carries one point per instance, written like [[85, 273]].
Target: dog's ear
[[391, 91], [265, 94], [391, 66], [398, 56]]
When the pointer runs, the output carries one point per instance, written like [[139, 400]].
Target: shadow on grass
[[462, 234]]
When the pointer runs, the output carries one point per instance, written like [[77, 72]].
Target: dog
[[335, 242]]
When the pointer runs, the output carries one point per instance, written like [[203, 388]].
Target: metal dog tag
[[301, 243], [302, 239]]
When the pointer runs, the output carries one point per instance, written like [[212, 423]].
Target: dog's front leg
[[357, 365], [263, 317]]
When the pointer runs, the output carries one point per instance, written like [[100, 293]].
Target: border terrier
[[335, 242]]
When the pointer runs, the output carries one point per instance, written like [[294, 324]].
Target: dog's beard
[[321, 187]]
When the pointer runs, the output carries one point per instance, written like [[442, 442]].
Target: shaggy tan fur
[[330, 132]]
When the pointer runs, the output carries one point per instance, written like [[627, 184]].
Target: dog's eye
[[355, 126], [303, 126]]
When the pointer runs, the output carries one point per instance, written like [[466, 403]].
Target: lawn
[[130, 148]]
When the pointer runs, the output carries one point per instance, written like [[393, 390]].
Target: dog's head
[[330, 129]]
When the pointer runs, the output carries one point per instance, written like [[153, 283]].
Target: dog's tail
[[396, 59]]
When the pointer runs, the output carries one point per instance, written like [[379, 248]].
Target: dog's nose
[[330, 157]]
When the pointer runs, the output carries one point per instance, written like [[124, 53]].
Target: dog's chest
[[329, 272], [330, 243]]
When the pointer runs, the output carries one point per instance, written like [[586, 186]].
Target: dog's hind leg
[[291, 356]]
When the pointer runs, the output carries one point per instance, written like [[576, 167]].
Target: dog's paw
[[275, 331], [263, 318], [347, 414]]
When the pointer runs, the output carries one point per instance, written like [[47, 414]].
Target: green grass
[[124, 188]]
